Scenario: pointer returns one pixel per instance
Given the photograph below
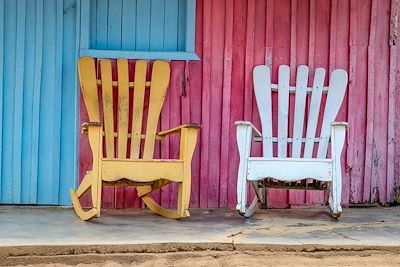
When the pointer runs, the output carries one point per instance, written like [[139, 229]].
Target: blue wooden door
[[38, 101]]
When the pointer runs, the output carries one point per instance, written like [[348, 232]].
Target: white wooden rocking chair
[[282, 171]]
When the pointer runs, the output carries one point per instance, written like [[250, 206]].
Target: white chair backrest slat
[[337, 89], [283, 109], [262, 89], [300, 102], [313, 114]]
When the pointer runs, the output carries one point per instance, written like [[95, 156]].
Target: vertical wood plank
[[205, 102], [195, 81], [392, 109], [160, 77], [102, 24], [8, 106], [320, 58], [341, 61], [107, 95], [190, 24], [128, 24], [249, 59], [57, 97], [315, 103], [114, 25], [18, 100], [283, 109], [114, 39], [281, 35], [299, 110], [157, 25], [177, 71], [311, 41], [2, 36], [93, 23], [370, 104], [123, 106], [28, 79], [143, 25], [138, 105], [69, 102], [171, 25], [182, 24], [47, 185], [380, 135], [36, 100], [262, 90], [226, 99], [216, 83]]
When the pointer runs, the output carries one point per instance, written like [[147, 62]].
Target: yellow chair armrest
[[177, 129], [87, 125]]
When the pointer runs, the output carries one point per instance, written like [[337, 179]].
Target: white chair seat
[[289, 169]]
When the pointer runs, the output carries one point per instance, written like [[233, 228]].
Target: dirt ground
[[216, 258]]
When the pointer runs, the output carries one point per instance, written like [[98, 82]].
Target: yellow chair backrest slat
[[138, 105], [123, 106]]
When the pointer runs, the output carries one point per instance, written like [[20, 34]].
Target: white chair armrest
[[339, 123], [256, 133]]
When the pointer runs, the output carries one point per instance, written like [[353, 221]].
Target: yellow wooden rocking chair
[[116, 168]]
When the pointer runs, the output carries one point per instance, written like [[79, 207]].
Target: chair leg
[[86, 183], [338, 133], [250, 207], [156, 208]]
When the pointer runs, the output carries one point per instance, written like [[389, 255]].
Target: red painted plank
[[277, 197], [379, 168], [321, 59], [226, 100], [248, 67], [216, 85], [295, 196], [392, 109], [236, 106], [342, 61], [205, 102]]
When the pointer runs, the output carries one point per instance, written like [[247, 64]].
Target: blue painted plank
[[102, 27], [190, 25], [68, 163], [85, 24], [114, 25], [143, 25], [29, 78], [93, 23], [181, 25], [18, 100], [139, 55], [128, 24], [171, 26], [56, 105], [10, 27], [1, 85], [36, 95], [47, 184], [157, 25]]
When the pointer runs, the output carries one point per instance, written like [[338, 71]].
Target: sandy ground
[[218, 258]]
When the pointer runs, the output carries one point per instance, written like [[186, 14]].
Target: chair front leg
[[187, 145], [338, 134], [243, 137], [92, 179]]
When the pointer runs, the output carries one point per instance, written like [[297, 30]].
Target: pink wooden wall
[[232, 36]]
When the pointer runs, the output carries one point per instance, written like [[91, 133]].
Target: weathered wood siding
[[360, 36]]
